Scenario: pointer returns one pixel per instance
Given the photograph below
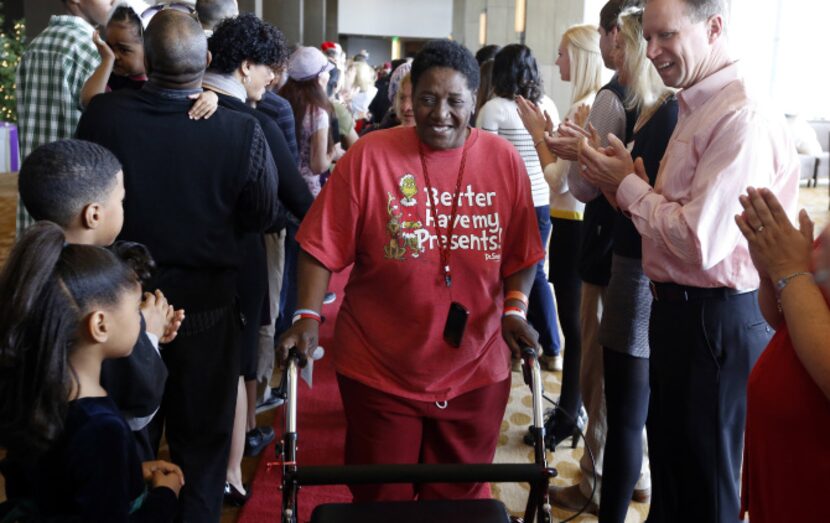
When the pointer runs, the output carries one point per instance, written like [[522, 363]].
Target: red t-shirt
[[374, 212]]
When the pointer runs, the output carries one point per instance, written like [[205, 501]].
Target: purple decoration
[[14, 149]]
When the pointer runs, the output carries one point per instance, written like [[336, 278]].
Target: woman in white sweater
[[515, 73]]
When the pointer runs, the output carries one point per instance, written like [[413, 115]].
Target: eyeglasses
[[182, 7]]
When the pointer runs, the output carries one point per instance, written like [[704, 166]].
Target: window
[[782, 45]]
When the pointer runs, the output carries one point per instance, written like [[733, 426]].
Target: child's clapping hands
[[161, 318]]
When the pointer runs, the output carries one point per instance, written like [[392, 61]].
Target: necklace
[[444, 241]]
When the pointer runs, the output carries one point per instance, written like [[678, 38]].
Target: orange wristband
[[516, 295]]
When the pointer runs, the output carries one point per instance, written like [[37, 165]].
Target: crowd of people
[[191, 182]]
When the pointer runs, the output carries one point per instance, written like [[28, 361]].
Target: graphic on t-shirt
[[477, 224], [409, 189], [404, 223]]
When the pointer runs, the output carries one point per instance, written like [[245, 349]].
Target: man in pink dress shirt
[[706, 330]]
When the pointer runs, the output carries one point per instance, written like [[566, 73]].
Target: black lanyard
[[444, 246]]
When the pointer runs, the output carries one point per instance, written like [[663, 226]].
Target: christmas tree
[[11, 49]]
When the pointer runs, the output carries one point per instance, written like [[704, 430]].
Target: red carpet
[[321, 431]]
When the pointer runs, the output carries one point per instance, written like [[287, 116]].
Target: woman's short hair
[[246, 37], [446, 53], [645, 87], [586, 60], [515, 73]]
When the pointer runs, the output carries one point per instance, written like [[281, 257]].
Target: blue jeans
[[541, 311], [288, 292]]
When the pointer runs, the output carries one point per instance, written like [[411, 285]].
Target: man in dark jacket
[[193, 186]]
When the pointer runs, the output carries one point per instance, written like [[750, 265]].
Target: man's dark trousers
[[702, 351], [199, 405]]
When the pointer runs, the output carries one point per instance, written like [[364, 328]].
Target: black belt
[[675, 292]]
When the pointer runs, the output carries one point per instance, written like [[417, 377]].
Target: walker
[[537, 474]]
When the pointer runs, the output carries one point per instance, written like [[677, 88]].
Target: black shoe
[[560, 433], [257, 439], [234, 497], [557, 431]]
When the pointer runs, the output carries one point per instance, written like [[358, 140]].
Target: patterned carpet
[[815, 200], [512, 449]]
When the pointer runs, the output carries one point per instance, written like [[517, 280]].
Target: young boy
[[51, 74], [80, 186]]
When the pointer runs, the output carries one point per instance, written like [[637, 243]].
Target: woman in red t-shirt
[[787, 451], [439, 224]]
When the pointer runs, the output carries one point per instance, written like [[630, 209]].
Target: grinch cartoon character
[[404, 222], [409, 189], [410, 220]]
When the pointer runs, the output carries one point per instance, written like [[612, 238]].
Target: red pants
[[381, 428]]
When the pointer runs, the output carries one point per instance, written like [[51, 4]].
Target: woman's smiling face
[[443, 103]]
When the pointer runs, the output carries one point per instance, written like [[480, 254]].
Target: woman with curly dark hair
[[515, 73], [245, 52], [244, 49], [444, 254]]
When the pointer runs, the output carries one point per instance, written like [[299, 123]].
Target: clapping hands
[[581, 115], [161, 473], [565, 142], [607, 167], [537, 122], [777, 248], [161, 318]]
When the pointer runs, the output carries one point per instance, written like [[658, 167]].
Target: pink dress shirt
[[725, 141]]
